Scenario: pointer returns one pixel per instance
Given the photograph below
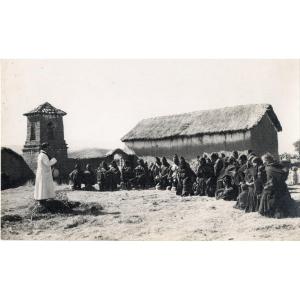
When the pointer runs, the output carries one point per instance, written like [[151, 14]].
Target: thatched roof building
[[242, 127]]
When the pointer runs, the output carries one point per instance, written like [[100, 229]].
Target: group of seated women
[[255, 183]]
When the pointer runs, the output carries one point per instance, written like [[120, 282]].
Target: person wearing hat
[[44, 187]]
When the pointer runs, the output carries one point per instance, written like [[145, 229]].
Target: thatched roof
[[87, 153], [125, 151], [222, 120], [45, 109]]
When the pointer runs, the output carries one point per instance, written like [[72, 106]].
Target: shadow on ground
[[57, 207]]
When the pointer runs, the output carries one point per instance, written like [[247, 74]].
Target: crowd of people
[[255, 183]]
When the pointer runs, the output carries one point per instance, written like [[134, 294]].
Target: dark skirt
[[200, 187], [251, 200], [211, 186], [185, 187], [242, 201], [281, 206]]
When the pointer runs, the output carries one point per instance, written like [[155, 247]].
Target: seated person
[[104, 177], [186, 178], [229, 192], [127, 174], [115, 174], [162, 178], [173, 173], [203, 173], [139, 181], [89, 178], [76, 177], [242, 199]]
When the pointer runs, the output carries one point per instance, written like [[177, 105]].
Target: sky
[[104, 99]]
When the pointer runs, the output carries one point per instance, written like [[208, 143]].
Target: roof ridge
[[206, 110]]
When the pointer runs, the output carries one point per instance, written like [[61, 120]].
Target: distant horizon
[[69, 149]]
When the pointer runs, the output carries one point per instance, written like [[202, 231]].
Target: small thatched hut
[[118, 155], [14, 170], [240, 128]]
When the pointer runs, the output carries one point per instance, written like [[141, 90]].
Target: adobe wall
[[265, 138]]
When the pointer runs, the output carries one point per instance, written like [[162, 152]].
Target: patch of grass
[[76, 222]]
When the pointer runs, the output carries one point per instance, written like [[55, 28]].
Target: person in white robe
[[44, 187]]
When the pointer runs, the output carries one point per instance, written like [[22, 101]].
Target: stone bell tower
[[45, 124]]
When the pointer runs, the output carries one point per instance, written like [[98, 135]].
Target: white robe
[[44, 187]]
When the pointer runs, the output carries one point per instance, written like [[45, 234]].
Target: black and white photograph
[[150, 150]]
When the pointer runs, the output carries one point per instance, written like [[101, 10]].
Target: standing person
[[44, 187]]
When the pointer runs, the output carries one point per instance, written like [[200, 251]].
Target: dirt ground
[[140, 215]]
